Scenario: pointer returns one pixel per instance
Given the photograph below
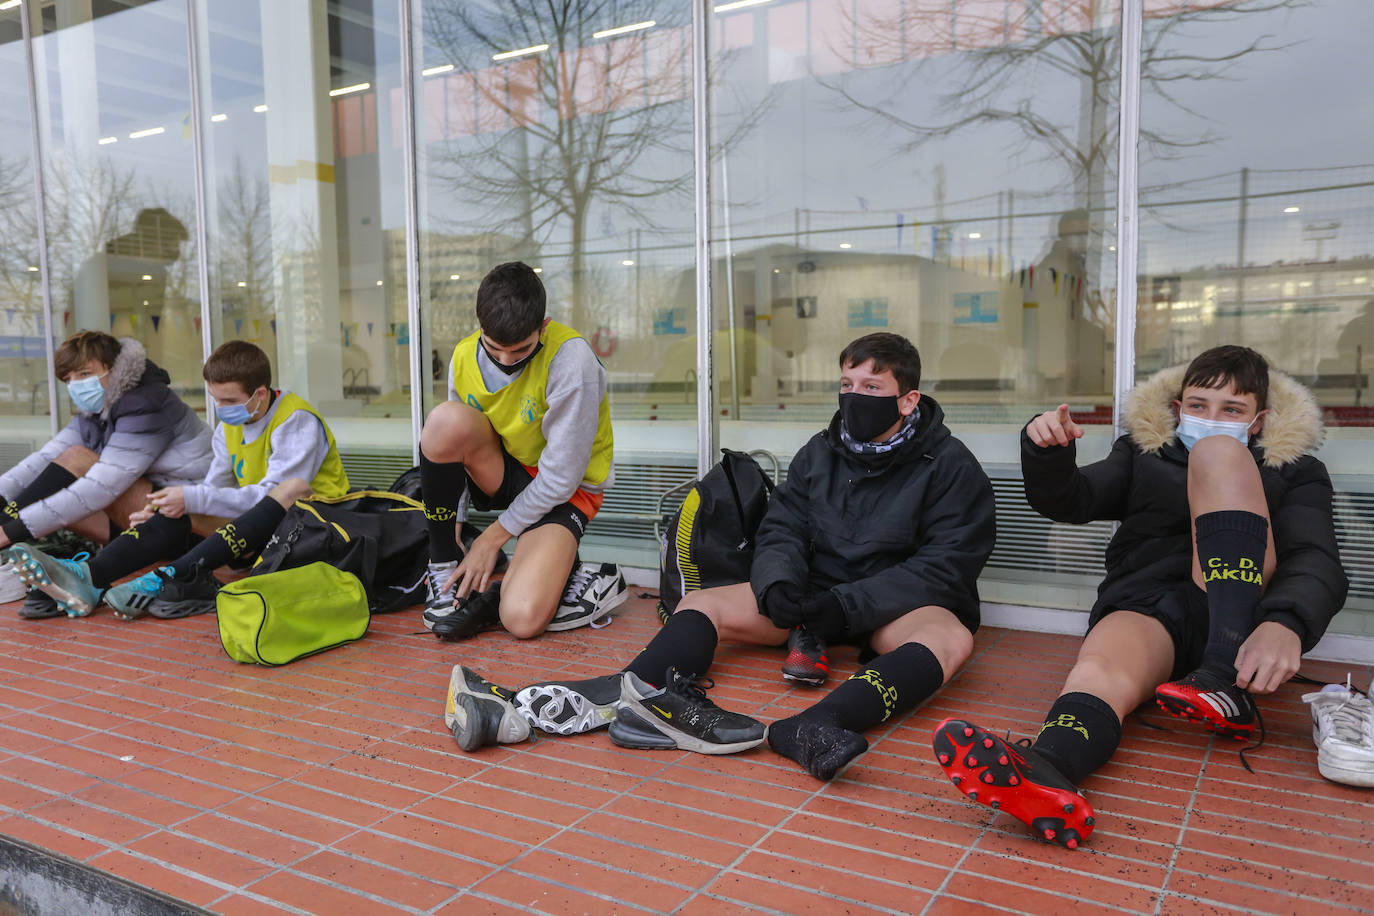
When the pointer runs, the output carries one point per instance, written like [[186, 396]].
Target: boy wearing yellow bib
[[526, 430], [269, 449]]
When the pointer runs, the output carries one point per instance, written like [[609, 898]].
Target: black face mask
[[867, 415], [512, 368]]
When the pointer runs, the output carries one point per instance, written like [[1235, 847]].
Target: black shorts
[[1182, 609], [513, 482]]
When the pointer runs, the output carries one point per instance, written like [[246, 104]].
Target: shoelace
[[1348, 723], [434, 581], [1259, 720], [578, 583], [690, 686]]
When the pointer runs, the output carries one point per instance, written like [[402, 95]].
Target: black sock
[[1080, 734], [687, 642], [887, 686], [441, 487], [52, 479], [1230, 549], [242, 537], [159, 538]]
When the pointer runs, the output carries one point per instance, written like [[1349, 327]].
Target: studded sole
[[983, 767], [1182, 709], [34, 575]]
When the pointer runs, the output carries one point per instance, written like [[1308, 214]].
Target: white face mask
[[1191, 429]]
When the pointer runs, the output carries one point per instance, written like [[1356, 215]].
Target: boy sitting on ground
[[129, 435], [1223, 572], [270, 449], [876, 538], [526, 430]]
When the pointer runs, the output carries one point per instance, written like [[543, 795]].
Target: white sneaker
[[1343, 729], [12, 587], [439, 602], [593, 590]]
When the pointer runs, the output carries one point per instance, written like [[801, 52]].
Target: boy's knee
[[448, 427], [290, 490], [1217, 452], [522, 618], [77, 459]]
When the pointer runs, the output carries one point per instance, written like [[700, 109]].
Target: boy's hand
[[474, 573], [1268, 658], [1054, 427], [171, 501], [782, 605], [824, 615], [142, 515]]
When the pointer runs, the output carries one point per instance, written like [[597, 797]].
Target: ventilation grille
[[1355, 535]]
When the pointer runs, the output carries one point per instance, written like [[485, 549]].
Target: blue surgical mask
[[1191, 429], [87, 393], [234, 414]]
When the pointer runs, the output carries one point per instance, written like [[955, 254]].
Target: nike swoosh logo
[[664, 713]]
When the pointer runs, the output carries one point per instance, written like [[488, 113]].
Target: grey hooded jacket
[[144, 430]]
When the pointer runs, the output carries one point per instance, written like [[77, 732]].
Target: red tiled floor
[[330, 786]]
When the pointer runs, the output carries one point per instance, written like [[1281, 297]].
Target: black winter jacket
[[887, 534], [1143, 483]]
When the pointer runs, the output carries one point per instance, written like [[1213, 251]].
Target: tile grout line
[[1183, 827]]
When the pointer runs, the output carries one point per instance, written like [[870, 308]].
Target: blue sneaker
[[67, 581], [133, 598]]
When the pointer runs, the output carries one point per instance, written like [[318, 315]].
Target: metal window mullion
[[1127, 208], [418, 379], [25, 11], [202, 211], [707, 430]]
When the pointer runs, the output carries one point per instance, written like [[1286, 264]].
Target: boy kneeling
[[1223, 572]]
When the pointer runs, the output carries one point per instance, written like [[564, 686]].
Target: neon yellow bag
[[278, 617]]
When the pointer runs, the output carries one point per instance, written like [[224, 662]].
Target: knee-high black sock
[[1230, 549], [687, 642], [242, 537], [887, 686], [52, 479], [1080, 734], [159, 538], [441, 486]]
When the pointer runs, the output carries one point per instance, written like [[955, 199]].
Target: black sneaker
[[570, 707], [1208, 697], [479, 713], [186, 595], [592, 592], [1014, 779], [477, 612], [680, 716], [806, 662], [40, 606]]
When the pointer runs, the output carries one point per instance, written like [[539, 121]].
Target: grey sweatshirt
[[577, 383], [298, 448], [144, 430]]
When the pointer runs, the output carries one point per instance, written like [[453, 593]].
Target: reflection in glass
[[305, 210], [23, 341], [118, 178]]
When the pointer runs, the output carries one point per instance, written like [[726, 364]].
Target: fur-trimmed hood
[[127, 373], [1292, 427]]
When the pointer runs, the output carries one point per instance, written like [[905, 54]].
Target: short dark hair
[[1242, 368], [889, 352], [82, 347], [239, 361], [510, 302]]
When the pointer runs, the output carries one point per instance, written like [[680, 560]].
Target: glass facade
[[947, 169]]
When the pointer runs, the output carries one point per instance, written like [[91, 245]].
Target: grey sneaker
[[570, 707], [593, 591], [479, 713], [439, 602], [67, 581], [12, 585], [679, 715]]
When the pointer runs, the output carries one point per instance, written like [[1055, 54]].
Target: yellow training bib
[[249, 459], [517, 411]]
